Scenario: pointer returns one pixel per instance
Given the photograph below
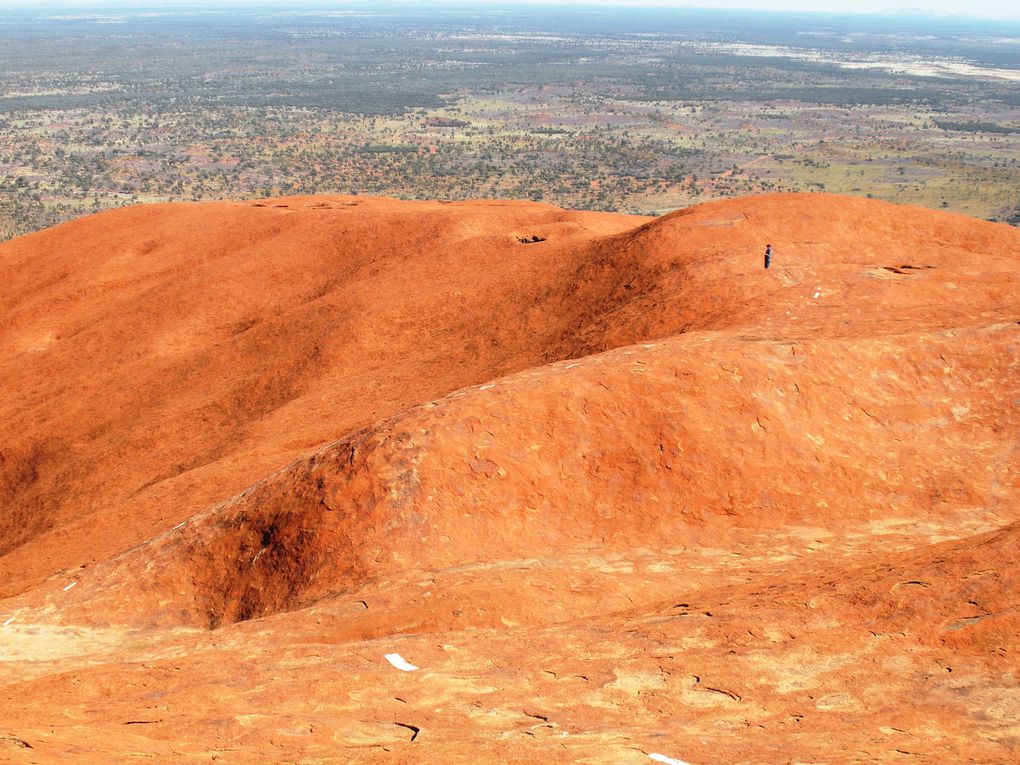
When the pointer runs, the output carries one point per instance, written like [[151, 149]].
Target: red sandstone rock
[[617, 492]]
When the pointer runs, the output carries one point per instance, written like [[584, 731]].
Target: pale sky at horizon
[[980, 8]]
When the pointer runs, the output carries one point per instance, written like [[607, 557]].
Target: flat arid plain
[[618, 109], [341, 479]]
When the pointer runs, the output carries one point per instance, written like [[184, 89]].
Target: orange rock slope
[[612, 488]]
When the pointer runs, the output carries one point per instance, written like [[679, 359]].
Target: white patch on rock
[[667, 760], [400, 662]]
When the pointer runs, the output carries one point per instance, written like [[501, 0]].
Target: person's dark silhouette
[[768, 255]]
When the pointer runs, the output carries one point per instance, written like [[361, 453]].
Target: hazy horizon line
[[130, 6]]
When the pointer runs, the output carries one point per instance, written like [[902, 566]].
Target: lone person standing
[[768, 255]]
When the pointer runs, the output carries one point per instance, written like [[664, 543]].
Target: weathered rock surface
[[616, 492]]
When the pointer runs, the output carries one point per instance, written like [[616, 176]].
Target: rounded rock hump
[[183, 351], [161, 358], [588, 474]]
